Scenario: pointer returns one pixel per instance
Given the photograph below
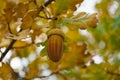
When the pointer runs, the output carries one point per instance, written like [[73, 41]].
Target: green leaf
[[61, 5], [116, 23], [116, 60], [44, 50]]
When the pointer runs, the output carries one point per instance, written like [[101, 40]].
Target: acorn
[[55, 44]]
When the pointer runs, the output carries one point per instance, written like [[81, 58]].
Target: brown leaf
[[20, 10], [6, 72], [27, 22], [80, 25], [9, 11], [36, 32], [81, 14], [92, 20], [72, 4]]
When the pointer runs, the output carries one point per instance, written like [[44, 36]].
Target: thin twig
[[42, 8], [13, 41], [8, 48], [45, 12], [1, 51], [35, 2], [46, 4], [45, 17], [9, 27]]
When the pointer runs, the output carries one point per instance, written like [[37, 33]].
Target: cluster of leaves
[[23, 30], [107, 37]]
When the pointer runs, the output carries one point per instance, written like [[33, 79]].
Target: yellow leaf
[[32, 6], [34, 69], [2, 6], [40, 2], [13, 25], [4, 43], [27, 22], [6, 72], [74, 56], [22, 1], [73, 35], [20, 44]]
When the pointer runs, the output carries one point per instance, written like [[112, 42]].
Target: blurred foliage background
[[91, 44]]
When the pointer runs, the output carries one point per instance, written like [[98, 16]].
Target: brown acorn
[[55, 44]]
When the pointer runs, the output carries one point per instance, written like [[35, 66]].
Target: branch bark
[[46, 4], [13, 41], [8, 48]]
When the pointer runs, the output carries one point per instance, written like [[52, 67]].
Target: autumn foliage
[[46, 36]]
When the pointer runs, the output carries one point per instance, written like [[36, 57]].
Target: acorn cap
[[55, 31]]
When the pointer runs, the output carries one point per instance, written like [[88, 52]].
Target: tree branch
[[9, 27], [13, 41], [46, 4], [45, 17], [8, 48]]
